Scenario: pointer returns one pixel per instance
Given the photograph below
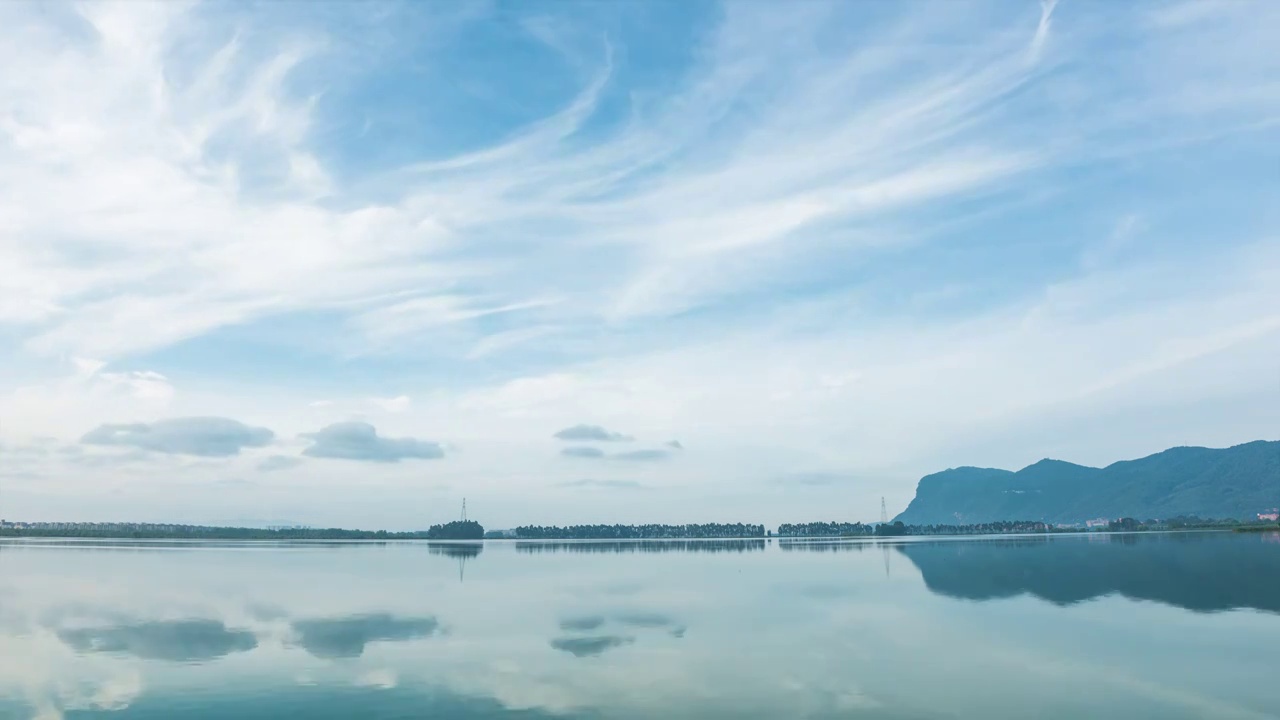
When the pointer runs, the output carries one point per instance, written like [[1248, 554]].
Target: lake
[[1099, 626]]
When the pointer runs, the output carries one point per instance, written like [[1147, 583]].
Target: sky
[[349, 263]]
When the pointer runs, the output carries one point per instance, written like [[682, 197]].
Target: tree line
[[457, 530], [825, 529], [897, 529], [639, 532], [727, 545]]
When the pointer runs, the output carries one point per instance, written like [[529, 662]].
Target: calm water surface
[[1151, 626]]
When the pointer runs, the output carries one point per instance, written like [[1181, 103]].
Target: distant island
[[1241, 482]]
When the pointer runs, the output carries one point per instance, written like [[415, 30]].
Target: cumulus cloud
[[279, 462], [203, 436], [591, 433], [582, 452], [356, 440]]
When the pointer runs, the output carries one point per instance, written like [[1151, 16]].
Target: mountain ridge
[[1235, 482]]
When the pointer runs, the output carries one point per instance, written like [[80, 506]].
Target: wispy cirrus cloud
[[183, 156]]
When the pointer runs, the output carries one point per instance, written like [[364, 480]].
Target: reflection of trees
[[652, 546], [639, 532], [1196, 571], [456, 550], [463, 551], [174, 641], [106, 545], [822, 546]]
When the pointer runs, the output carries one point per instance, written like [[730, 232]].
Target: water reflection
[[590, 646], [176, 641], [785, 629], [639, 546], [824, 545], [456, 550], [1196, 571], [347, 637], [462, 551], [337, 702]]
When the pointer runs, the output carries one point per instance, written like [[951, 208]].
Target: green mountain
[[1237, 482]]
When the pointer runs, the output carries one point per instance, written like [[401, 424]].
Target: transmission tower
[[884, 514]]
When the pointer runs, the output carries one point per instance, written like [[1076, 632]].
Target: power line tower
[[884, 514], [464, 509]]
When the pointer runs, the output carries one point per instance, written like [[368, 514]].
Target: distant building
[[1273, 515], [1097, 523]]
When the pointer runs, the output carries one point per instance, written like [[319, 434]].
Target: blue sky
[[347, 263]]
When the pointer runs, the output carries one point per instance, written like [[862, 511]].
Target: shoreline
[[782, 539]]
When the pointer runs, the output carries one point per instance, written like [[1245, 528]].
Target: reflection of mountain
[[1196, 571], [640, 546], [347, 637], [176, 641], [456, 550]]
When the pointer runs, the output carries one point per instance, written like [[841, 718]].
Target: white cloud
[[69, 403], [875, 251], [143, 384], [397, 404], [383, 679]]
